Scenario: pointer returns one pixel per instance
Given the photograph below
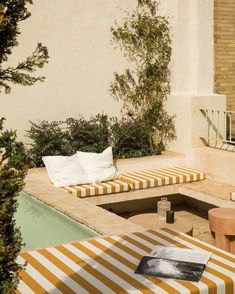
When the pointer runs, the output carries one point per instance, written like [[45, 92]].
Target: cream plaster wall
[[77, 34], [82, 60], [81, 66], [193, 72]]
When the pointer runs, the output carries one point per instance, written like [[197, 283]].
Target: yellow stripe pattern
[[161, 177], [138, 180], [107, 265], [89, 190]]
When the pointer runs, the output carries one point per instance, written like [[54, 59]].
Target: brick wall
[[224, 30], [224, 36]]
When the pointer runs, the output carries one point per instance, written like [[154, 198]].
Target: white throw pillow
[[65, 170], [98, 166], [90, 160], [99, 175]]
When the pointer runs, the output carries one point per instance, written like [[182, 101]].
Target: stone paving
[[88, 212]]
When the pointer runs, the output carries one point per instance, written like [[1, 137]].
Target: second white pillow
[[98, 166], [91, 160]]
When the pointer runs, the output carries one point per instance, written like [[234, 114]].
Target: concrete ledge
[[88, 212], [100, 220], [166, 159], [218, 164]]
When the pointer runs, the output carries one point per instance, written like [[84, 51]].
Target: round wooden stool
[[222, 225], [151, 221]]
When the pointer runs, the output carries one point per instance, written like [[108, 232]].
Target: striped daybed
[[106, 265], [138, 180]]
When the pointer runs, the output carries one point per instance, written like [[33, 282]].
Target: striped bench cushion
[[110, 187], [161, 177], [107, 265], [138, 180]]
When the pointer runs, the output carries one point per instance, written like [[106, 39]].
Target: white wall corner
[[193, 47], [190, 122]]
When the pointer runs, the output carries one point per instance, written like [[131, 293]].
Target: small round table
[[151, 221], [222, 226]]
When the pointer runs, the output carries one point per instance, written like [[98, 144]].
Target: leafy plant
[[49, 138], [91, 135], [145, 38], [13, 168], [65, 138], [13, 158], [129, 138]]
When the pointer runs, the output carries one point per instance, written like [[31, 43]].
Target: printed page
[[181, 254]]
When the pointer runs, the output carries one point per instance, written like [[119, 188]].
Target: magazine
[[174, 262]]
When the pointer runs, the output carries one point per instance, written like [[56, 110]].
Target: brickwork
[[224, 33]]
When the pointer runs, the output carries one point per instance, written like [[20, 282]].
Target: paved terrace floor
[[87, 211]]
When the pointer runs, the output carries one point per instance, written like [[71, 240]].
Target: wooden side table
[[222, 224], [151, 221]]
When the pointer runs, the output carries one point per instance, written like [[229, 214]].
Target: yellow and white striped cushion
[[107, 265], [138, 180], [110, 187], [161, 177]]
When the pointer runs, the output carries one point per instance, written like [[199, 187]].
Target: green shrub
[[65, 138], [91, 135], [49, 138], [13, 168], [129, 138]]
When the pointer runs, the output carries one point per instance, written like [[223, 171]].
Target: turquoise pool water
[[42, 225]]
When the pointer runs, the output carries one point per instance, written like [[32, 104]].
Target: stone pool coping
[[104, 222]]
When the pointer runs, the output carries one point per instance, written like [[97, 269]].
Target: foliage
[[129, 138], [145, 39], [13, 168], [91, 135], [65, 138], [13, 158], [49, 138], [11, 13]]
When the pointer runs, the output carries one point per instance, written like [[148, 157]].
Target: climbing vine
[[144, 37]]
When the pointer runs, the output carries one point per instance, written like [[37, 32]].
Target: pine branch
[[20, 74]]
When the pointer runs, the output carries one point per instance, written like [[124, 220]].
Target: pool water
[[43, 226]]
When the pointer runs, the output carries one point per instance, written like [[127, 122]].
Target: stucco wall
[[77, 34], [81, 66]]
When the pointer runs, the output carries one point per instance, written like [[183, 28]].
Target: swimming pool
[[42, 225]]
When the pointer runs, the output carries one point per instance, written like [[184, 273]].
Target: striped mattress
[[110, 187], [138, 180], [107, 264], [161, 177]]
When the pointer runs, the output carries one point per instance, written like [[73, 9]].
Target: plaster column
[[193, 73]]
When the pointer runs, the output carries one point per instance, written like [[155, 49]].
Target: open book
[[174, 262]]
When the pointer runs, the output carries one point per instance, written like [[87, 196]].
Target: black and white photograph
[[166, 268]]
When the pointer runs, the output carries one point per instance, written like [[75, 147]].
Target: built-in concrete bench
[[89, 211], [137, 180]]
